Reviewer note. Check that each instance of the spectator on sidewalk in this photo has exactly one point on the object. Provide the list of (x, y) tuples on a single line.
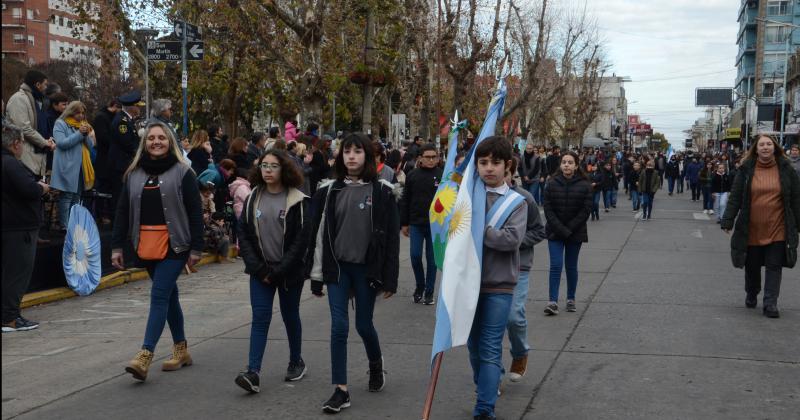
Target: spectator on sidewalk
[(124, 142), (72, 166), (274, 233), (22, 200), (56, 104), (517, 321), (420, 188), (567, 204), (532, 171), (255, 148), (355, 253), (219, 144), (237, 152), (102, 132), (163, 220), (161, 110), (290, 132), (764, 213), (26, 110), (200, 152), (794, 157)]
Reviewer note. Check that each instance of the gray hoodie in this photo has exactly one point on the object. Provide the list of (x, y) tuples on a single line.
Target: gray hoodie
[(533, 234), (795, 164)]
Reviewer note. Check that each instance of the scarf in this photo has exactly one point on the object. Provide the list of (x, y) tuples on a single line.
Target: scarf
[(157, 166), (86, 155)]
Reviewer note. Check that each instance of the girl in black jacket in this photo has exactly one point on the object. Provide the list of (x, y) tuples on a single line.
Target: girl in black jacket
[(597, 178), (356, 234), (273, 239), (567, 204), (720, 189)]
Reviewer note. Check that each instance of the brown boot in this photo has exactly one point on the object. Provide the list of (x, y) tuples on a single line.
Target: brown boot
[(180, 357), (518, 368), (140, 364)]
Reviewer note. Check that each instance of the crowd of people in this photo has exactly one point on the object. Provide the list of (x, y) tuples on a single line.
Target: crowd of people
[(303, 205)]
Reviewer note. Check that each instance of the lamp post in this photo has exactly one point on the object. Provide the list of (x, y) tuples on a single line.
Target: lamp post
[(785, 67), (146, 33)]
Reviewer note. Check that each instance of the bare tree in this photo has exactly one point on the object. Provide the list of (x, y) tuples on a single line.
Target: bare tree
[(464, 45)]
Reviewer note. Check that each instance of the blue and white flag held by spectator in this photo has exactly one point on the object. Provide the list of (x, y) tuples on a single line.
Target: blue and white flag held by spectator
[(461, 273), (670, 152)]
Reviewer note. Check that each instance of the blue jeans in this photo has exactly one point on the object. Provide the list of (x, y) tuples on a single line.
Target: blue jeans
[(351, 277), (613, 197), (720, 204), (607, 199), (65, 202), (485, 346), (535, 188), (596, 203), (635, 199), (261, 297), (418, 234), (708, 201), (647, 205), (671, 184), (517, 323), (562, 252), (680, 180), (164, 304)]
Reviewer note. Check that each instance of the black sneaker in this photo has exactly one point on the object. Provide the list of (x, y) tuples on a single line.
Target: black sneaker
[(377, 376), (751, 301), (339, 400), (484, 417), (551, 309), (428, 299), (571, 306), (20, 324), (771, 311), (248, 381), (295, 371), (417, 296)]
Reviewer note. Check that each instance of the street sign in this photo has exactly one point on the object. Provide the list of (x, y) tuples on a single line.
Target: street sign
[(164, 50), (171, 51), (192, 32)]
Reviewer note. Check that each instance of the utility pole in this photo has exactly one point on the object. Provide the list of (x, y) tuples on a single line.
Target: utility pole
[(366, 88)]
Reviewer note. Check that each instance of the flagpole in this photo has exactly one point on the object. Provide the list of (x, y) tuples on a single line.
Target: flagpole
[(437, 364)]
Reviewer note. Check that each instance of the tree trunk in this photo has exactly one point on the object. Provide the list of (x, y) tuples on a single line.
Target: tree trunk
[(367, 89)]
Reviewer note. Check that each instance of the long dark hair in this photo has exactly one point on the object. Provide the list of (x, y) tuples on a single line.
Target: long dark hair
[(370, 170), (578, 169), (291, 177)]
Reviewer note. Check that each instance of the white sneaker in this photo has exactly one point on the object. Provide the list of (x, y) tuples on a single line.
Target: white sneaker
[(705, 211), (711, 212)]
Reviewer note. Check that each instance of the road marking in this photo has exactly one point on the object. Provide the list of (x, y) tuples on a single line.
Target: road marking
[(701, 216), (107, 312), (697, 234), (88, 319)]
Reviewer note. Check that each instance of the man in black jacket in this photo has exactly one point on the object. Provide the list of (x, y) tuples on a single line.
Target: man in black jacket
[(421, 186), (102, 130), (553, 161), (22, 199)]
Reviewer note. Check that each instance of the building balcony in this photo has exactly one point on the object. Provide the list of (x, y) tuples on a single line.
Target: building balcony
[(13, 21)]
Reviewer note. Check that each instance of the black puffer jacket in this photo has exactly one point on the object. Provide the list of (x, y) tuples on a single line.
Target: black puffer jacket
[(297, 230), (567, 204), (383, 254)]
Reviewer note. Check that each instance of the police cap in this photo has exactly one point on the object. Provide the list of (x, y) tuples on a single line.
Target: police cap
[(132, 98)]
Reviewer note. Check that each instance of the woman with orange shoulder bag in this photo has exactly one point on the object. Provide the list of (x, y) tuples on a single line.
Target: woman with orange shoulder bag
[(160, 213)]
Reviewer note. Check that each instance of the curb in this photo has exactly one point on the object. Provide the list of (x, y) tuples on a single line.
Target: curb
[(112, 280)]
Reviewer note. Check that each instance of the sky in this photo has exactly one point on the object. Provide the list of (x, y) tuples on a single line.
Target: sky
[(668, 48)]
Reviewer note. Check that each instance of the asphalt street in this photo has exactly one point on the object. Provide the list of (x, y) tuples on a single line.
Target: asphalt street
[(661, 332)]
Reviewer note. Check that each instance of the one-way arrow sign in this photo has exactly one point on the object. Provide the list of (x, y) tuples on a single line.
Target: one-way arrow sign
[(195, 51), (192, 31)]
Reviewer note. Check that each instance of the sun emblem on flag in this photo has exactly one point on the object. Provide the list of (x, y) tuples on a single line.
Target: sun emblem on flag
[(462, 217), (442, 204)]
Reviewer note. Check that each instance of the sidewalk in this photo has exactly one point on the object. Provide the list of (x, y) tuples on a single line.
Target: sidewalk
[(661, 332)]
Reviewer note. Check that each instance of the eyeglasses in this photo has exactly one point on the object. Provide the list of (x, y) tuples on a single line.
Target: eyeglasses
[(269, 166)]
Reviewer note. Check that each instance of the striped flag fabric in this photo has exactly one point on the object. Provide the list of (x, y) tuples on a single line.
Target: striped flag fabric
[(461, 269)]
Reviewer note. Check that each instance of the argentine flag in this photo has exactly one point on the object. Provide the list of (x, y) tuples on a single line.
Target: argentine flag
[(461, 272)]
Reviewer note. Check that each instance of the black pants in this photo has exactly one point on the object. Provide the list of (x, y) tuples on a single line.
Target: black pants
[(770, 256), (695, 190), (19, 253)]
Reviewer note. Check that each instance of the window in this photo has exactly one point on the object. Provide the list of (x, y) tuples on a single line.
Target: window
[(69, 23), (19, 39), (769, 90), (53, 19), (777, 7), (30, 14), (61, 21), (31, 40), (16, 12), (776, 34)]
